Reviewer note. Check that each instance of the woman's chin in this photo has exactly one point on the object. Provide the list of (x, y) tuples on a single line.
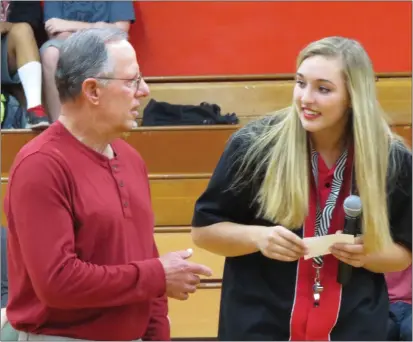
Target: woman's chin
[(311, 126)]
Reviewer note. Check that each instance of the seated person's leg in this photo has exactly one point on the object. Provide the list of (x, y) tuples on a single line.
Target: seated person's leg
[(406, 324), (23, 63), (49, 55)]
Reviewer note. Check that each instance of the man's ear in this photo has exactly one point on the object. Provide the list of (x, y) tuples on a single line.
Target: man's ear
[(91, 90)]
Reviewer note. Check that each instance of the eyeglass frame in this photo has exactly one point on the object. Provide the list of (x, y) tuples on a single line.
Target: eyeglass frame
[(138, 80)]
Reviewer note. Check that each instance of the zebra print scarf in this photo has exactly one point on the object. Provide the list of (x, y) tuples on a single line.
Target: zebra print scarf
[(323, 217)]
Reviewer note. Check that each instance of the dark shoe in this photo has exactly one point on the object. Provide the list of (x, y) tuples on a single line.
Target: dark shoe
[(37, 118)]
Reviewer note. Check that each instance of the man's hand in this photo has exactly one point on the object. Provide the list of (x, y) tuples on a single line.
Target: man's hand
[(352, 254), (5, 27), (280, 243), (182, 276)]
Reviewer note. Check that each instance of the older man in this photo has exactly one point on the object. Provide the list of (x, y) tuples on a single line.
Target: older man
[(83, 263)]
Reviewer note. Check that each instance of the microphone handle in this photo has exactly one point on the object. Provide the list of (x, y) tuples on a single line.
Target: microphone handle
[(345, 270)]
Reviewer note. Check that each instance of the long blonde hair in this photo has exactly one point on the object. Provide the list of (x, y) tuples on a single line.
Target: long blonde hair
[(278, 152)]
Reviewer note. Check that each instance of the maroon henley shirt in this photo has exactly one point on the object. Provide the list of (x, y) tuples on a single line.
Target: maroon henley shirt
[(81, 252)]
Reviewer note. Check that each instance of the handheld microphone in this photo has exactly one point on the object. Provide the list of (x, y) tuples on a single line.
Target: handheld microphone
[(352, 208)]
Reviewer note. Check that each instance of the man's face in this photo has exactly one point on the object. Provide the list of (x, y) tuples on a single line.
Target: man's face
[(119, 99)]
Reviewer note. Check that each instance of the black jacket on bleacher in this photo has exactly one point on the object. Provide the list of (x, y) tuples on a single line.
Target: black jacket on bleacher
[(168, 114)]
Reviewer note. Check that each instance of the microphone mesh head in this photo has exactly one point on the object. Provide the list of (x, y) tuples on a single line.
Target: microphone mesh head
[(352, 206)]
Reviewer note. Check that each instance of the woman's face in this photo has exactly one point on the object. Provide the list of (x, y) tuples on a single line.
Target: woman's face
[(320, 94)]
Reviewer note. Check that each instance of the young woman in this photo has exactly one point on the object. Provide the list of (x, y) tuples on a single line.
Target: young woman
[(285, 178)]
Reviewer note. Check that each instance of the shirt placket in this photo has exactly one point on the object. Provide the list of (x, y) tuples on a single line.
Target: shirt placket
[(118, 175)]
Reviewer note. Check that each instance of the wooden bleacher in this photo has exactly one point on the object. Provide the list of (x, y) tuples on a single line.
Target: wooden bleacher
[(180, 161), (250, 99)]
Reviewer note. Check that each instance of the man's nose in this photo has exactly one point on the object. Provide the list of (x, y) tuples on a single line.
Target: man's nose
[(143, 90)]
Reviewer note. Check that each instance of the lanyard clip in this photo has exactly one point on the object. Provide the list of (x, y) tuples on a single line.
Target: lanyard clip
[(317, 287)]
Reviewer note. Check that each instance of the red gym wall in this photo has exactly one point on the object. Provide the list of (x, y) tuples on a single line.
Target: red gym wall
[(217, 38)]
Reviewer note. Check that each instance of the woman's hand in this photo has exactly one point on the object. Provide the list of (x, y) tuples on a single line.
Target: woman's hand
[(349, 253), (280, 243)]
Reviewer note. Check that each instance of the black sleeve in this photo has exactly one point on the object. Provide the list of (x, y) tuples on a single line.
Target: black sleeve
[(400, 215), (26, 12), (220, 202)]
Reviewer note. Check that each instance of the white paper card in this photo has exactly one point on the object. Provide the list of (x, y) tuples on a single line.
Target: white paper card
[(320, 245)]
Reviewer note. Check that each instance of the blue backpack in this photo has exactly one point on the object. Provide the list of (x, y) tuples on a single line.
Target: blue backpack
[(14, 116)]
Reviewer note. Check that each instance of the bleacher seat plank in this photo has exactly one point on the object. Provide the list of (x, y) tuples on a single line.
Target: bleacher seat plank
[(171, 242), (3, 194), (257, 98), (405, 131), (166, 150), (395, 96), (196, 317), (173, 200)]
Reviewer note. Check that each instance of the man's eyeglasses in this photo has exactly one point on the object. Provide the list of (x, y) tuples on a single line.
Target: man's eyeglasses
[(133, 83)]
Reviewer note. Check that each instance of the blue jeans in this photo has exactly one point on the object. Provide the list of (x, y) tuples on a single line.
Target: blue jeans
[(400, 322)]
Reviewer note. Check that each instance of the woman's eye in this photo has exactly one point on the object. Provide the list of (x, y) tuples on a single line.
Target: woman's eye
[(300, 83)]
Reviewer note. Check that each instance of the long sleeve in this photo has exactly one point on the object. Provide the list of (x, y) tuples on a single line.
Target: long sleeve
[(41, 217), (158, 329)]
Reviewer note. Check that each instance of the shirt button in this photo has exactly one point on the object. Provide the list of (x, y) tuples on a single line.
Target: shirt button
[(121, 184), (114, 167), (125, 204), (327, 185)]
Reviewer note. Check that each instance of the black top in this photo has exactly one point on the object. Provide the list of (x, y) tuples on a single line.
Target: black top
[(30, 12), (258, 293)]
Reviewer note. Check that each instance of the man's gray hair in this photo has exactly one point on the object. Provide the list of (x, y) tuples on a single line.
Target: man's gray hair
[(84, 55)]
